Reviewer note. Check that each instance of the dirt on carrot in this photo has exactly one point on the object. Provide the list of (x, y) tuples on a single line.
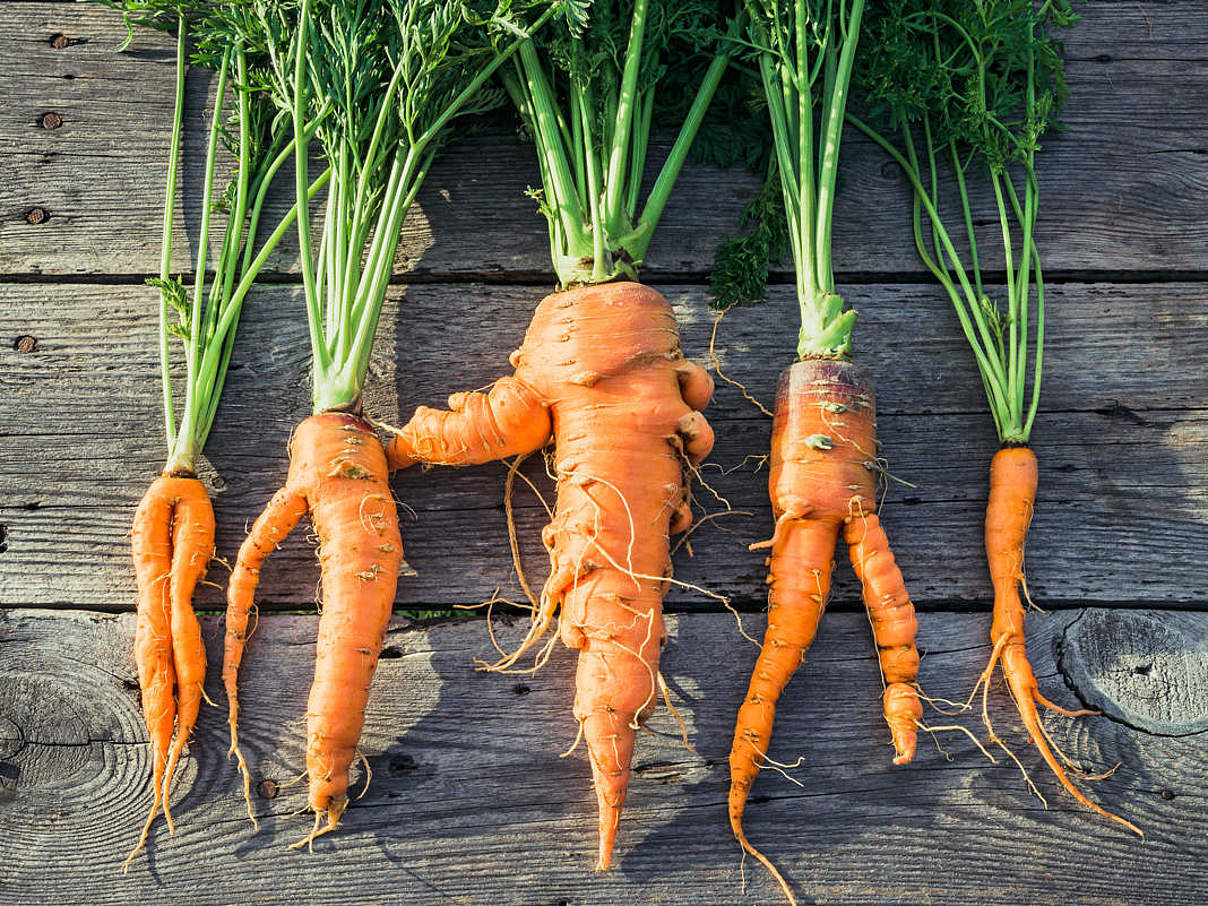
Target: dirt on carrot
[(602, 373), (338, 474)]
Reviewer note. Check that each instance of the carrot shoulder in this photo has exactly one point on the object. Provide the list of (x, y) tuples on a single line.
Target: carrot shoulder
[(602, 371), (823, 483), (338, 473)]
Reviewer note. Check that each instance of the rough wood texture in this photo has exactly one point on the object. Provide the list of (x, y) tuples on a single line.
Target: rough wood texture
[(1123, 441), (469, 802), (1148, 670), (1122, 187)]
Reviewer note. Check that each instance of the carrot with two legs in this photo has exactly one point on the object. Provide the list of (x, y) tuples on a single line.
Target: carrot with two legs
[(173, 536), (972, 87), (824, 456)]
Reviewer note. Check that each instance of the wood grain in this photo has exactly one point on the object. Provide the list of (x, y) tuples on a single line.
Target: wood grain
[(470, 803), (1123, 440), (1121, 187)]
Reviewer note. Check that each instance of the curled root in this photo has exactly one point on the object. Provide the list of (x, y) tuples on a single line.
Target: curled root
[(715, 362)]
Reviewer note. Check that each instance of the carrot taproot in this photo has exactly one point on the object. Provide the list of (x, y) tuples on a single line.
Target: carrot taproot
[(822, 484), (602, 374), (1014, 476), (338, 474), (172, 543)]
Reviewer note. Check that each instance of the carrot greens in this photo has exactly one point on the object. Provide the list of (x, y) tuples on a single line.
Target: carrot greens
[(590, 91), (384, 81), (969, 89)]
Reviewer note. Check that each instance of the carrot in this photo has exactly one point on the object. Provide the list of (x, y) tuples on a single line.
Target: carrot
[(172, 544), (338, 474), (377, 117), (824, 452), (823, 483), (601, 373), (974, 87), (601, 369)]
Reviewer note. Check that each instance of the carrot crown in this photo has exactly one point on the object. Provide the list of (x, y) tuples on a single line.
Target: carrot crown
[(969, 88), (588, 98), (377, 84), (204, 318)]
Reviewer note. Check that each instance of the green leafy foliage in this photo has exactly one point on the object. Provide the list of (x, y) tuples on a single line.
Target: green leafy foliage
[(986, 75), (801, 54), (971, 88), (175, 296), (377, 84), (740, 266)]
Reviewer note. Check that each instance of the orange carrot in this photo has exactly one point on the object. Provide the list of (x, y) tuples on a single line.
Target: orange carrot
[(172, 544), (822, 482), (1013, 480), (601, 369), (338, 474)]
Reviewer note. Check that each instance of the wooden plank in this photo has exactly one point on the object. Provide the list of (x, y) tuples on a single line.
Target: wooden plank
[(1123, 441), (470, 803), (1121, 187)]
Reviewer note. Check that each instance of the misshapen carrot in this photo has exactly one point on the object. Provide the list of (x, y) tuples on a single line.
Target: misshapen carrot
[(172, 544), (338, 474), (823, 483), (1013, 481), (602, 371)]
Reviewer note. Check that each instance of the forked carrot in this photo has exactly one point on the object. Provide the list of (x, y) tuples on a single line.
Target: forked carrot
[(378, 115), (338, 474), (823, 483), (173, 537), (1014, 476), (172, 543)]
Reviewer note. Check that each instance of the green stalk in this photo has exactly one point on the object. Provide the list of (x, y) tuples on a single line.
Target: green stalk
[(615, 182), (165, 257), (207, 202), (834, 132), (318, 348), (660, 192)]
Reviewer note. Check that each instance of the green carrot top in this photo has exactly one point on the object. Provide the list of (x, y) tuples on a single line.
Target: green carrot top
[(589, 90), (804, 52), (378, 83), (205, 317), (969, 89)]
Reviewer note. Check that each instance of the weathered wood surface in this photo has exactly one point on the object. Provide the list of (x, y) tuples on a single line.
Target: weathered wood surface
[(1123, 441), (1122, 187), (470, 803)]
